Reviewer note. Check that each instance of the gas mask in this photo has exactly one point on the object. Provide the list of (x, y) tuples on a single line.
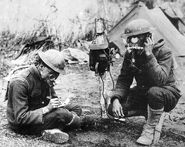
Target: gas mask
[(136, 43), (50, 80)]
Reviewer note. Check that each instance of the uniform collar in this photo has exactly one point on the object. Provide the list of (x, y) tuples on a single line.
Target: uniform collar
[(159, 43)]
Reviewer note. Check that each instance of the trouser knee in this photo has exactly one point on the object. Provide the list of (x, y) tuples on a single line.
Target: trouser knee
[(74, 108), (155, 98), (57, 118), (77, 110)]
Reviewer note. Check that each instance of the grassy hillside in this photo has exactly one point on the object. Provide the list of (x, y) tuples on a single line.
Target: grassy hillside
[(65, 20), (68, 20)]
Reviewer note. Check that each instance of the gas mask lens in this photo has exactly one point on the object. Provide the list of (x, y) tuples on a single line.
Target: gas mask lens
[(52, 77), (138, 40), (51, 80), (134, 40)]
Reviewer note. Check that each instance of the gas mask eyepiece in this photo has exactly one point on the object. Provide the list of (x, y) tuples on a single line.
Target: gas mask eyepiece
[(138, 41)]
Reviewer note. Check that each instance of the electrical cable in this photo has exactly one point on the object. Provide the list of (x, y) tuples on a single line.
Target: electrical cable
[(109, 71), (113, 86), (103, 87)]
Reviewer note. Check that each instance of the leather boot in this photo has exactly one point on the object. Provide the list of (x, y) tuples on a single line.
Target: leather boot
[(149, 129), (88, 122), (55, 135)]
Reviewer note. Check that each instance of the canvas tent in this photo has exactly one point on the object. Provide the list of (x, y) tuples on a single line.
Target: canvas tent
[(174, 14), (163, 28)]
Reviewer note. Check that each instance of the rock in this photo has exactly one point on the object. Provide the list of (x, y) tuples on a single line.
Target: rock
[(73, 55)]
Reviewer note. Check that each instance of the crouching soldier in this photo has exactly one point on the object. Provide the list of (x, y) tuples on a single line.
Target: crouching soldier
[(33, 106), (152, 66)]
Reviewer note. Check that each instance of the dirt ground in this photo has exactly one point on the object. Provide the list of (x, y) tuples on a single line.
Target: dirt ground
[(82, 86)]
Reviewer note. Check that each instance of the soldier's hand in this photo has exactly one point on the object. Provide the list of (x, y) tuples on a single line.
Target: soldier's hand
[(149, 46), (53, 103), (117, 109)]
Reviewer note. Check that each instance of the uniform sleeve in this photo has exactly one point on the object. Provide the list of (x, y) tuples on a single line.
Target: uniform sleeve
[(19, 95), (158, 70), (124, 81)]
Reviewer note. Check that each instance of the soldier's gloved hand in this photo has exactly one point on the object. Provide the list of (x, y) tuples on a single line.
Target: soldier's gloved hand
[(149, 46), (117, 109)]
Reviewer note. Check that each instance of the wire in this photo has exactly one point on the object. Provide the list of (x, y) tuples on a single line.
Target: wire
[(113, 86), (103, 84), (103, 88)]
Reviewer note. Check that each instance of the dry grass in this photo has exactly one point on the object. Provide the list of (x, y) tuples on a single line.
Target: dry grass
[(66, 19)]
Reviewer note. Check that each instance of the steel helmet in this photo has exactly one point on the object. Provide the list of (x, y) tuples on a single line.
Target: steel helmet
[(136, 27), (53, 59)]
